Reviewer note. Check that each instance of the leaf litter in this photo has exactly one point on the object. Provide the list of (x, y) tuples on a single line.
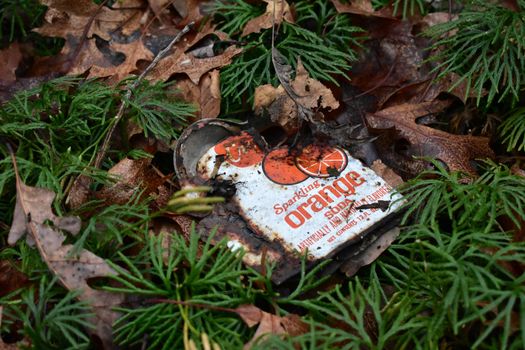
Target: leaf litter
[(32, 218), (103, 41)]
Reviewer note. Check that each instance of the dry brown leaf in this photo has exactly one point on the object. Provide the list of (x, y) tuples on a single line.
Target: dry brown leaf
[(456, 151), (265, 21), (10, 58), (309, 92), (361, 7), (66, 19), (182, 62), (79, 23), (190, 10), (133, 176), (73, 269), (371, 253), (11, 278), (269, 323), (206, 96), (386, 173), (134, 52), (37, 201), (159, 7)]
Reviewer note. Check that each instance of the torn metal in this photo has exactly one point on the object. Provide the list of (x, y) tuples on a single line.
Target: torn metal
[(318, 201)]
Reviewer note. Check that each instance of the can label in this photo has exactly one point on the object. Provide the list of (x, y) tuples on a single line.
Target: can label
[(307, 201)]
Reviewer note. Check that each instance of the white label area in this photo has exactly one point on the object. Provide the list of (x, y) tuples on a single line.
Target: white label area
[(306, 202)]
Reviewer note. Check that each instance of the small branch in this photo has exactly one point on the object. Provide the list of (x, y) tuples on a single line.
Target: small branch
[(129, 91)]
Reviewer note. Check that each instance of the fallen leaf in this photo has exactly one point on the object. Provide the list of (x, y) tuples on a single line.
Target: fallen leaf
[(10, 58), (134, 52), (371, 253), (361, 7), (456, 151), (190, 10), (35, 202), (386, 173), (265, 21), (429, 90), (73, 269), (83, 23), (132, 176), (159, 7), (206, 95), (269, 323), (181, 61), (308, 92), (11, 278)]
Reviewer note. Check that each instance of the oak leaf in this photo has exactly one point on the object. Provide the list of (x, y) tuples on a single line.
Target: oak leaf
[(308, 92), (83, 23), (456, 151), (182, 61), (134, 52), (266, 20), (32, 214)]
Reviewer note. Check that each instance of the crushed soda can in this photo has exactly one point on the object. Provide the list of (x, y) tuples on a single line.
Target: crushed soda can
[(318, 201)]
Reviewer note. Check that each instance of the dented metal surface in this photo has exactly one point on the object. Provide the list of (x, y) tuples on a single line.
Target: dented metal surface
[(287, 202)]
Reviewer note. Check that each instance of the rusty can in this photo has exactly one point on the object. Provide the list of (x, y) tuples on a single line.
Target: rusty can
[(316, 201)]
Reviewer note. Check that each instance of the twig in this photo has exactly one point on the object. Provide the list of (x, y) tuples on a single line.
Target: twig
[(129, 91)]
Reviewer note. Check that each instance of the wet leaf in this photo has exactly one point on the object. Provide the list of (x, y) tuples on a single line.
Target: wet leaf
[(456, 151)]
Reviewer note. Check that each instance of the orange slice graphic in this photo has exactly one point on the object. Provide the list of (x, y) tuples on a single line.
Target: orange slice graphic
[(240, 151), (321, 161), (280, 167)]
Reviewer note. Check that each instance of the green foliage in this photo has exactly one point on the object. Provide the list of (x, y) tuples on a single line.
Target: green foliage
[(17, 17), (56, 128), (50, 318), (485, 45), (59, 126), (404, 7), (321, 37), (461, 280), (155, 108), (512, 130), (107, 227), (479, 202), (188, 272)]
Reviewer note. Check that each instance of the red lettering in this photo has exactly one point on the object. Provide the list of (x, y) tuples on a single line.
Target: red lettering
[(294, 224)]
